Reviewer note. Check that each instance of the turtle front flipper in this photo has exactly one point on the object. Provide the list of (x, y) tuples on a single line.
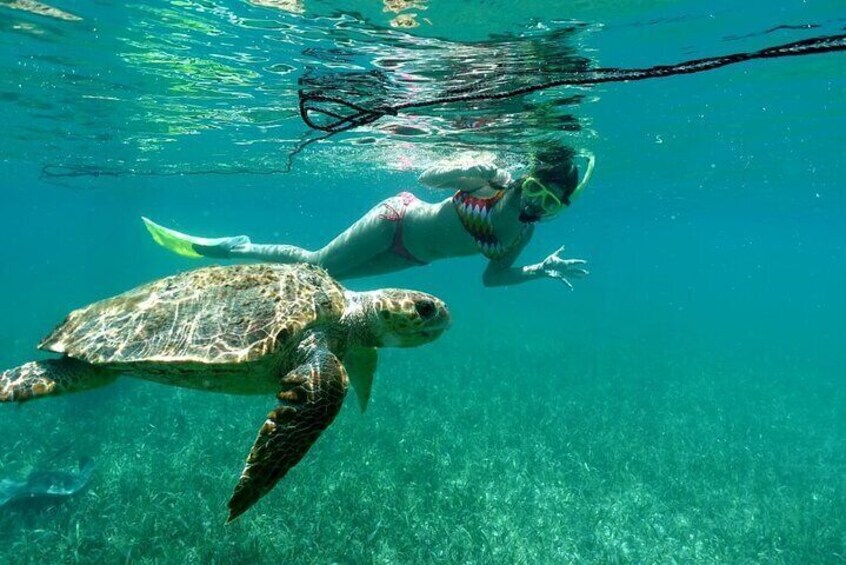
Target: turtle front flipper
[(50, 376), (311, 396)]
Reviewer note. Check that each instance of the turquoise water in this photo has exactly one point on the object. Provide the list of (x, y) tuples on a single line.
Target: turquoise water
[(685, 403)]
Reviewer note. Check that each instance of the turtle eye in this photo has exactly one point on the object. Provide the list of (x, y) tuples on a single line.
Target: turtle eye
[(425, 308)]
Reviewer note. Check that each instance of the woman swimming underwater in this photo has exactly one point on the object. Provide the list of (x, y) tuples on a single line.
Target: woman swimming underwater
[(490, 213)]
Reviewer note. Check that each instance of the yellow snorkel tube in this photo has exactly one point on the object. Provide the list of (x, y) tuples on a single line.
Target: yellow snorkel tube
[(591, 162)]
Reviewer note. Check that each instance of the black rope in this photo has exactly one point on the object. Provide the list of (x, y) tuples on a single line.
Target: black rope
[(58, 172), (316, 104), (52, 172)]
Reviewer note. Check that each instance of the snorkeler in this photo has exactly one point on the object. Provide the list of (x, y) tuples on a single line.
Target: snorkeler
[(490, 213)]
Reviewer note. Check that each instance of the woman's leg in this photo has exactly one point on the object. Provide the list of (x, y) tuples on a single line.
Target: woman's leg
[(358, 249)]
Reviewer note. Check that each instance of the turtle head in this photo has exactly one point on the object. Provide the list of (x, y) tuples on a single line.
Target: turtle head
[(395, 317)]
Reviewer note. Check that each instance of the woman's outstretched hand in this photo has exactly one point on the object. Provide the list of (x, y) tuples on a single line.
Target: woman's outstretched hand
[(557, 267)]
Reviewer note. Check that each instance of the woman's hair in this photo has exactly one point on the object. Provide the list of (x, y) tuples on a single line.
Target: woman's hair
[(555, 164)]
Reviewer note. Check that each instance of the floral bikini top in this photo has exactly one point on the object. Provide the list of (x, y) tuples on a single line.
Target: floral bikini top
[(475, 216)]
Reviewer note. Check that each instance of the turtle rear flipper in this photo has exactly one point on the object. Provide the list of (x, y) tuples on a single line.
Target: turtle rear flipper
[(311, 397), (51, 376)]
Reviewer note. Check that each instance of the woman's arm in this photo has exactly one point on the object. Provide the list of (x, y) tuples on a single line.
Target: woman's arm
[(501, 272), (465, 174)]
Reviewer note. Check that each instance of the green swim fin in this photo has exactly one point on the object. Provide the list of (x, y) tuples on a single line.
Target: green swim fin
[(177, 242)]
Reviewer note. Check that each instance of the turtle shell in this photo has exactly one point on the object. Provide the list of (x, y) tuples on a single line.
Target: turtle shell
[(213, 315)]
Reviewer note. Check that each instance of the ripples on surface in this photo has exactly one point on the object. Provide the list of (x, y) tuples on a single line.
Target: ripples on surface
[(194, 86)]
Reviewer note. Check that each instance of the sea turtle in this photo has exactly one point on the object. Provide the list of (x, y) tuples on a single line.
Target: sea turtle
[(245, 329)]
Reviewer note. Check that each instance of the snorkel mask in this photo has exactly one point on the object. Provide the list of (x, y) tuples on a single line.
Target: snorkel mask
[(546, 203)]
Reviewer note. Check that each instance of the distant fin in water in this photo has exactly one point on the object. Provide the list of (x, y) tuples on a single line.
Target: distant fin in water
[(47, 485)]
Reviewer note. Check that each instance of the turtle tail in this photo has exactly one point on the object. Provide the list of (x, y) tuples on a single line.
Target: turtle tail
[(51, 376)]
